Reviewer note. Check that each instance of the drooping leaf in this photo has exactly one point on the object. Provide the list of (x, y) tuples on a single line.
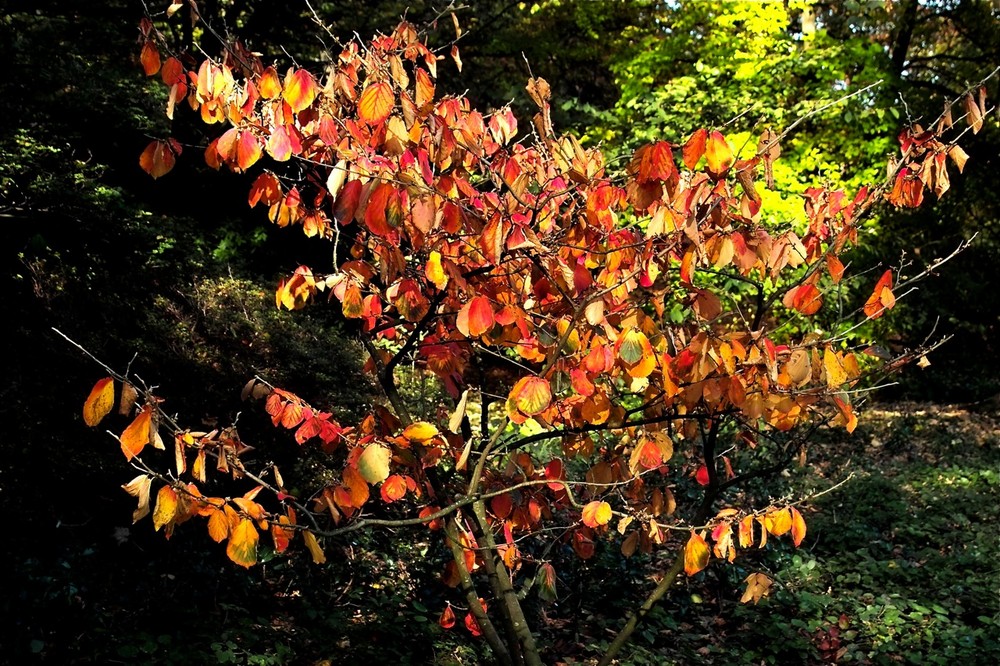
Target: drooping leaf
[(167, 504), (137, 434), (758, 587), (374, 463), (393, 488), (798, 526), (158, 158), (546, 581), (447, 619), (318, 556), (242, 546), (139, 488), (99, 402), (696, 554), (596, 513), (882, 298)]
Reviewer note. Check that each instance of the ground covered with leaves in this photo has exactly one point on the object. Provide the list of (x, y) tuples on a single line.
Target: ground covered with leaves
[(899, 566)]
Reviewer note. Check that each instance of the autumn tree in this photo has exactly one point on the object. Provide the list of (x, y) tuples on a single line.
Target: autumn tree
[(611, 341)]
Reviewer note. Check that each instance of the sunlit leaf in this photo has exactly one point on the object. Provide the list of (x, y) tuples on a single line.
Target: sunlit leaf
[(167, 504), (476, 317), (718, 154), (420, 432), (158, 158), (300, 90), (242, 546), (596, 513), (882, 298), (139, 488), (758, 587), (99, 402), (447, 619), (393, 488), (374, 463), (376, 103), (696, 554), (531, 395), (318, 556), (798, 526), (137, 434)]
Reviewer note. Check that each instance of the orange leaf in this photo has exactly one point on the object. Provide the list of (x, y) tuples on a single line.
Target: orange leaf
[(150, 58), (695, 148), (882, 298), (758, 586), (300, 90), (376, 103), (805, 298), (158, 158), (99, 402), (218, 525), (596, 513), (718, 154), (835, 267), (531, 395), (393, 488), (269, 85), (136, 435), (798, 526), (242, 547), (476, 317), (696, 554), (166, 507), (248, 150)]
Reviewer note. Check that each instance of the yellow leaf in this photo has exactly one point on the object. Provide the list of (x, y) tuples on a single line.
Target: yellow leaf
[(421, 431), (531, 395), (99, 402), (596, 513), (374, 463), (317, 553), (778, 522), (166, 507), (718, 154), (139, 488), (696, 554), (435, 271), (758, 586), (836, 375), (242, 547)]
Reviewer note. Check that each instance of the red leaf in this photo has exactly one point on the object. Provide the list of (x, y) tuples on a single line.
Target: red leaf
[(447, 620), (476, 317), (695, 148), (701, 476), (393, 488), (150, 58)]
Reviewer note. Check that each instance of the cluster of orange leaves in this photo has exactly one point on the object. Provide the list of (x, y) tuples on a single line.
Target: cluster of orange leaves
[(461, 230)]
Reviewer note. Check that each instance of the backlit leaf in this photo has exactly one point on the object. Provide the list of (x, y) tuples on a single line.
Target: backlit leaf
[(596, 513), (696, 554), (167, 503), (531, 395), (546, 580), (99, 402), (157, 159), (393, 488), (318, 556), (447, 619), (882, 298), (137, 434), (300, 90), (718, 154), (374, 463), (476, 317), (139, 488), (150, 58), (242, 546), (421, 431), (376, 103)]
